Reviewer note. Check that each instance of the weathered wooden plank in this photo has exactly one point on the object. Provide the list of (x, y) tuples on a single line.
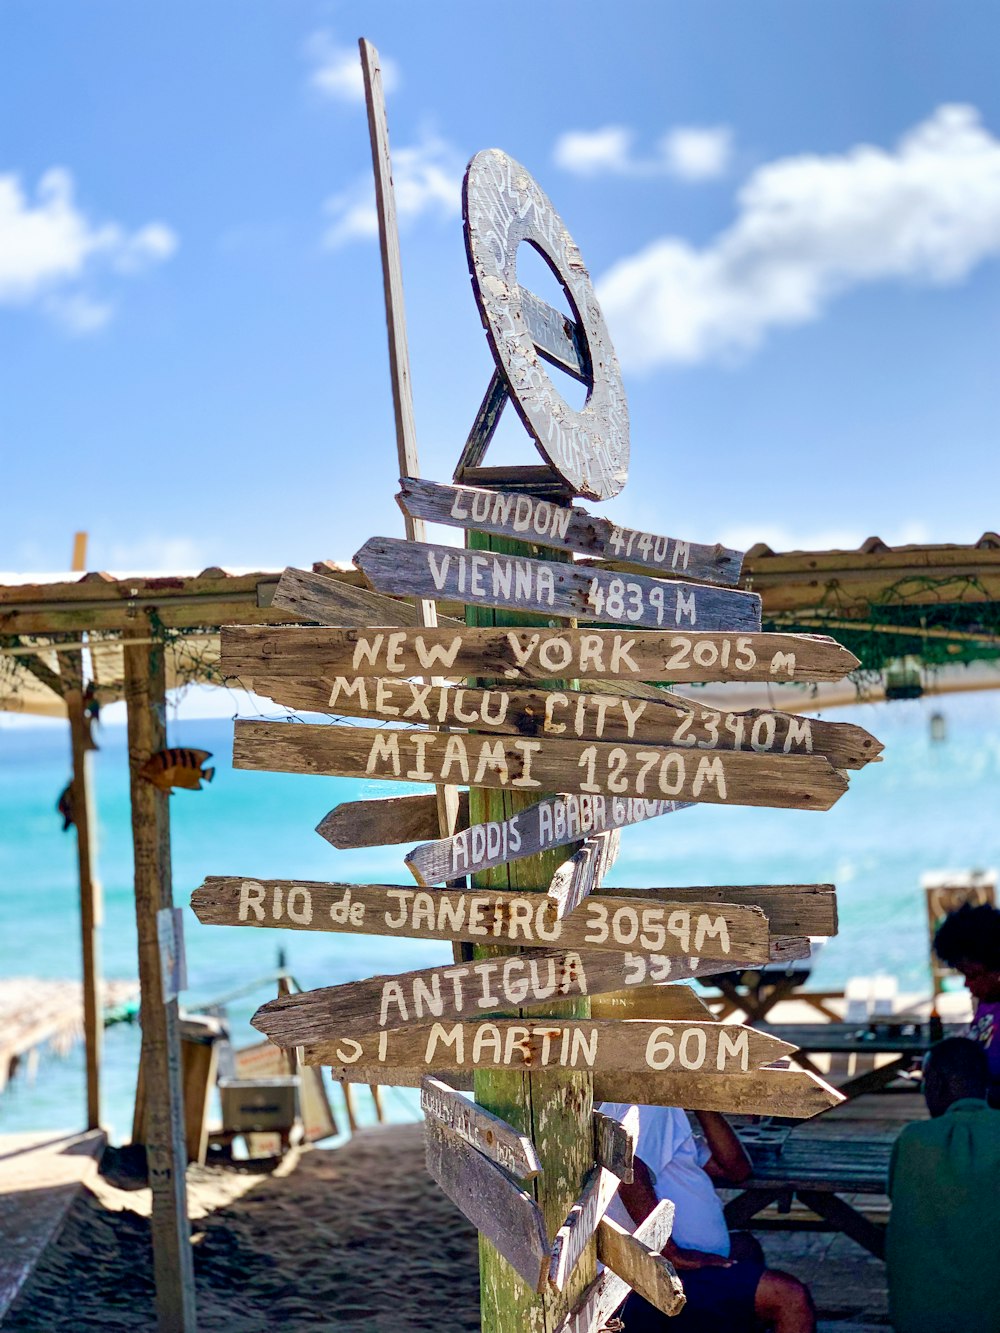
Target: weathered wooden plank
[(614, 1142), (556, 337), (553, 822), (794, 1093), (603, 1297), (461, 990), (583, 873), (729, 936), (659, 1002), (807, 782), (145, 697), (385, 820), (495, 1206), (521, 583), (571, 1239), (639, 1265), (791, 909), (636, 1048), (565, 528), (484, 427), (330, 601), (486, 1132), (612, 714), (533, 654)]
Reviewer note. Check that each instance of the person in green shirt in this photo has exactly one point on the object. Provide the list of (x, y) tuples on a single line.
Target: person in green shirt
[(943, 1243)]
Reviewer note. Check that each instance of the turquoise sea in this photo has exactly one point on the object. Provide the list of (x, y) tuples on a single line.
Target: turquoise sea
[(926, 806)]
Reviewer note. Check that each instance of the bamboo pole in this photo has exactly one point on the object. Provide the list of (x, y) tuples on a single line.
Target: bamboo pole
[(145, 697), (90, 893)]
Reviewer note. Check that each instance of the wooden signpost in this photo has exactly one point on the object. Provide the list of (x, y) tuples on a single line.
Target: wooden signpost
[(533, 654), (565, 528), (663, 720), (520, 583), (501, 705)]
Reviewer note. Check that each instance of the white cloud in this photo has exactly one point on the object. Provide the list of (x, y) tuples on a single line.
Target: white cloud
[(779, 537), (336, 69), (427, 178), (50, 251), (151, 555), (690, 153), (809, 228)]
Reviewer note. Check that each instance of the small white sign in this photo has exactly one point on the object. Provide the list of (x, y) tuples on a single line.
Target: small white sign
[(173, 960)]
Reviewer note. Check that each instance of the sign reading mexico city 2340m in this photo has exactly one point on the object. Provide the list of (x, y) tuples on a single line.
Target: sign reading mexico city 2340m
[(502, 206)]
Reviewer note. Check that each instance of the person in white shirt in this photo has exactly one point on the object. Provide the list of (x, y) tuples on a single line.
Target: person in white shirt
[(728, 1287)]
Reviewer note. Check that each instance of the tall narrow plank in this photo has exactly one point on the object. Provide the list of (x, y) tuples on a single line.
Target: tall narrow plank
[(553, 1110), (145, 697), (395, 318), (90, 890)]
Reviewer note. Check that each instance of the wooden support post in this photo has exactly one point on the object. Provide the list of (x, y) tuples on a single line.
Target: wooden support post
[(90, 890), (145, 697), (554, 1109)]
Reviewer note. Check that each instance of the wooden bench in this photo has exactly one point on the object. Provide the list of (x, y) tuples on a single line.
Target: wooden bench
[(818, 1172)]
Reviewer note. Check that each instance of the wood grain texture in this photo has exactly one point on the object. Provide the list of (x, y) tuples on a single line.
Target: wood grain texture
[(611, 713), (486, 1132), (484, 426), (542, 587), (550, 823), (515, 654), (491, 1201), (458, 991), (603, 1297), (614, 1143), (582, 1221), (637, 1049), (331, 601), (785, 1092), (565, 528), (145, 698), (659, 1002), (791, 909), (639, 1265), (502, 205), (385, 820), (805, 782), (583, 873), (730, 937)]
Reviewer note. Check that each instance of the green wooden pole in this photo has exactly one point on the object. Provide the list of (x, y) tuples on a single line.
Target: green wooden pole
[(553, 1108)]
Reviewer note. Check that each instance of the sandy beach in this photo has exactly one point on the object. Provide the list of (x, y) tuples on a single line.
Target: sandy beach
[(357, 1238)]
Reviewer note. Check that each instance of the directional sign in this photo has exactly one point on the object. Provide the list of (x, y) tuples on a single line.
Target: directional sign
[(791, 909), (635, 1048), (553, 822), (648, 921), (614, 1141), (565, 528), (806, 782), (506, 1215), (386, 820), (531, 654), (638, 1264), (459, 990), (604, 1295), (583, 873), (574, 1235), (786, 1092), (542, 587), (486, 1132), (664, 719), (659, 1002), (335, 601)]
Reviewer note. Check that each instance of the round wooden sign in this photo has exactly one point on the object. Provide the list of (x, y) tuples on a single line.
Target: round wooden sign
[(502, 205)]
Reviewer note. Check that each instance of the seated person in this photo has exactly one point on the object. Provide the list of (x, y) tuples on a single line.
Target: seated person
[(969, 940), (728, 1287), (943, 1242)]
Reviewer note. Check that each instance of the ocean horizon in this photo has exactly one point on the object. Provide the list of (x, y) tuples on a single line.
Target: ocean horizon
[(927, 806)]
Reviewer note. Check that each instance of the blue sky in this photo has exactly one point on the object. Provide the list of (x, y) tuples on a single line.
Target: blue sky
[(791, 212)]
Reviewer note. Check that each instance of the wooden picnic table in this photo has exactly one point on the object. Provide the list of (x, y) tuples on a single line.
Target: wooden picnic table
[(753, 993), (817, 1171), (908, 1042)]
